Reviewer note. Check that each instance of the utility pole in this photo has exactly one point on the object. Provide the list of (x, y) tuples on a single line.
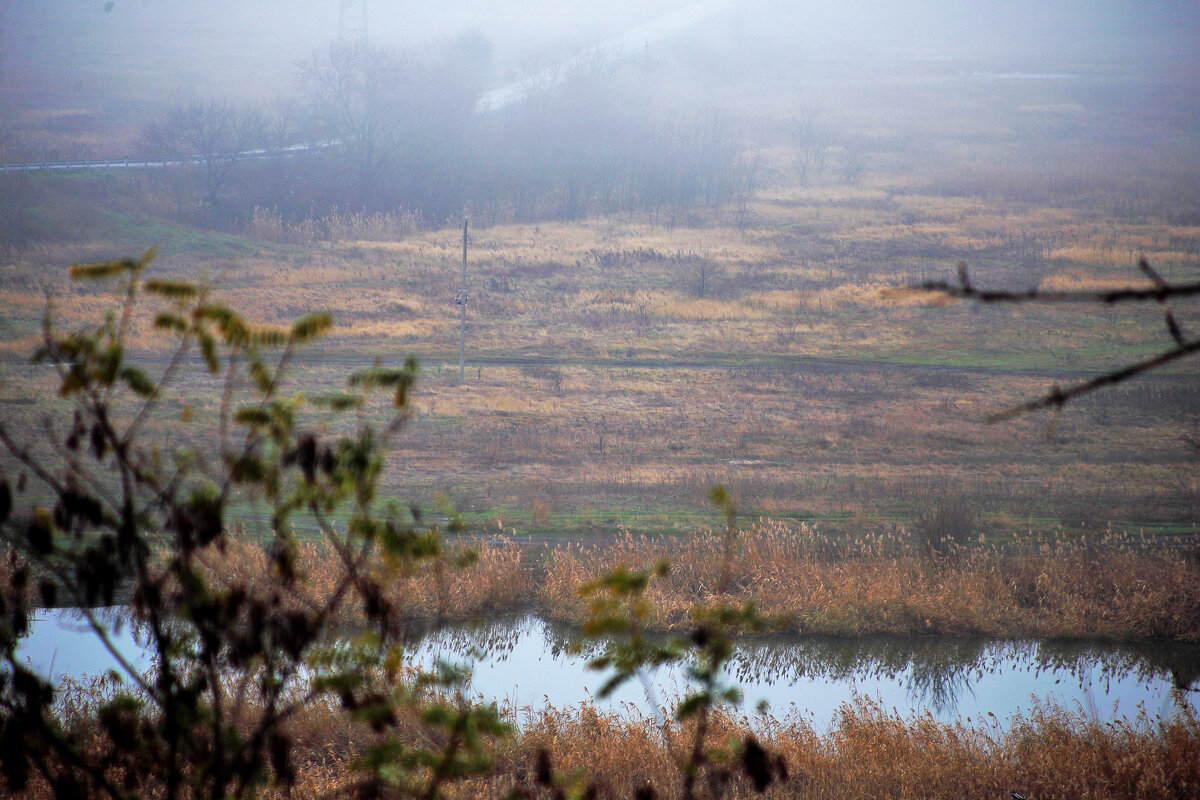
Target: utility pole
[(461, 299)]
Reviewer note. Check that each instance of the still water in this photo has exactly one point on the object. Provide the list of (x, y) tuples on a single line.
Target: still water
[(526, 663)]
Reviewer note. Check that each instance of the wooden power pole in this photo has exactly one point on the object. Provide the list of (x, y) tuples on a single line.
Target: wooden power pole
[(461, 299)]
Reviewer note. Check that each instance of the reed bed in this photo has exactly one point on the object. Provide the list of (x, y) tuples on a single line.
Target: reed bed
[(867, 752), (1112, 587), (872, 753), (495, 580), (1127, 587)]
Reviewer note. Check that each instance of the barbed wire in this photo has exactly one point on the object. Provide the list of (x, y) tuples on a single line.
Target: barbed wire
[(1161, 291)]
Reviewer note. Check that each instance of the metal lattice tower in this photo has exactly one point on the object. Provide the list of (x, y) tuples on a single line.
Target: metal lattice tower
[(352, 21)]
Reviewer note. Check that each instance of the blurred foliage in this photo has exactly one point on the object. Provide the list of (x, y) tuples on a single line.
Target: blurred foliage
[(618, 609), (231, 664)]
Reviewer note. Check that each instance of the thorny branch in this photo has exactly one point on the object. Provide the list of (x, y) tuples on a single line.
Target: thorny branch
[(1057, 397)]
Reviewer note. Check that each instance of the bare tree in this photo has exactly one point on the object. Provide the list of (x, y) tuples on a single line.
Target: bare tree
[(397, 119), (281, 123), (347, 90), (703, 270), (204, 138), (810, 140)]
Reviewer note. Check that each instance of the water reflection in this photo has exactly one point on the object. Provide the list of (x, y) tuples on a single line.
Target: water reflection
[(937, 671), (526, 662), (61, 643)]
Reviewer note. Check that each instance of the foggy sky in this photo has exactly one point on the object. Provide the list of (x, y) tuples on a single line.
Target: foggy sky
[(248, 48)]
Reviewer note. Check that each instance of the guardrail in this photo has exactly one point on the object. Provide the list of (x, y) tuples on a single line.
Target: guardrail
[(143, 163)]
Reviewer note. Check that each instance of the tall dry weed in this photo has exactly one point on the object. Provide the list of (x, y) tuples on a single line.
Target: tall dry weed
[(868, 753), (1120, 587), (493, 580)]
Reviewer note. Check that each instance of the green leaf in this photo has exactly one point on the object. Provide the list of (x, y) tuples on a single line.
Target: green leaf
[(208, 349), (233, 329), (247, 469), (268, 337), (401, 379), (260, 374), (254, 416), (72, 382), (692, 704), (178, 291), (338, 402), (378, 377), (170, 322), (311, 325), (137, 381), (147, 257), (99, 270), (110, 364)]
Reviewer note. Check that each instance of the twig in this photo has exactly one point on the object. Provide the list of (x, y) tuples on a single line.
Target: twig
[(1110, 296), (1058, 397)]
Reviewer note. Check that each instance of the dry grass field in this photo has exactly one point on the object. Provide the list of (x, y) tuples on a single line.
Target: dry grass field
[(1114, 587), (616, 368)]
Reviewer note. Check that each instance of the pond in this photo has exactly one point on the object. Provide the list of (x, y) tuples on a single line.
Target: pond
[(527, 662)]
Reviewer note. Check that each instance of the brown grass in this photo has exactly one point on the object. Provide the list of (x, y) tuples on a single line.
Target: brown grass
[(612, 305), (870, 753), (867, 753), (1114, 587), (497, 580), (877, 584), (1124, 588)]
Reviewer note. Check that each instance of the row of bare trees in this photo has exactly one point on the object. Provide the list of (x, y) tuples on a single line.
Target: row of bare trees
[(400, 131)]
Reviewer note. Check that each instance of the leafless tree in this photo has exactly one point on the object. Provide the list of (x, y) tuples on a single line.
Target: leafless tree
[(810, 139), (204, 138), (348, 89), (400, 120)]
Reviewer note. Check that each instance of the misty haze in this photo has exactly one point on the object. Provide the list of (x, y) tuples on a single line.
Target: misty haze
[(844, 352)]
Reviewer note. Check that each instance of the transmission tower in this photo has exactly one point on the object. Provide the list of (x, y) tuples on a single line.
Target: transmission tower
[(352, 21)]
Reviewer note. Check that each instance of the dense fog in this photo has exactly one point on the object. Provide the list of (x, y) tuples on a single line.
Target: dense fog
[(540, 110)]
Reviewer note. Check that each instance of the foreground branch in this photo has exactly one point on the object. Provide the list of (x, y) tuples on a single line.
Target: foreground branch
[(1057, 398), (1160, 292)]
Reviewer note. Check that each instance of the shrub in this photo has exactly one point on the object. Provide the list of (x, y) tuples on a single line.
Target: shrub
[(236, 659), (945, 522)]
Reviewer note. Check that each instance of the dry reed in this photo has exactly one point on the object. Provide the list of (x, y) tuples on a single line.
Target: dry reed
[(1121, 587), (495, 581), (868, 752)]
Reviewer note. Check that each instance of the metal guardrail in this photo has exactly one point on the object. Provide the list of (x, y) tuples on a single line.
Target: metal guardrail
[(142, 163)]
